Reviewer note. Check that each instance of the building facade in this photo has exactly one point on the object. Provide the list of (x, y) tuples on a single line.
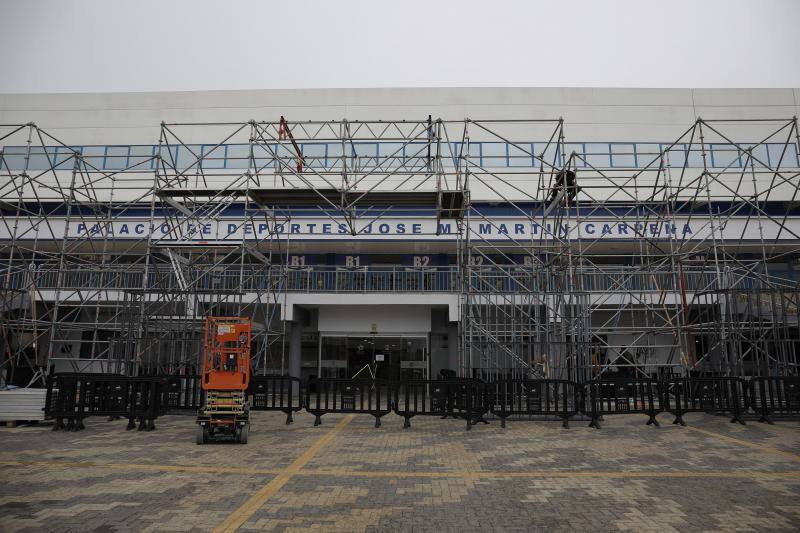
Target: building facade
[(563, 233)]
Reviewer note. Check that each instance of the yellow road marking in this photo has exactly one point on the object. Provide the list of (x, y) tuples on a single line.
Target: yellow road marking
[(249, 508), (545, 474), (337, 472), (749, 444)]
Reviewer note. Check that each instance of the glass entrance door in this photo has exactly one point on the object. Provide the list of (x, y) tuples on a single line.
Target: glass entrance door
[(386, 357)]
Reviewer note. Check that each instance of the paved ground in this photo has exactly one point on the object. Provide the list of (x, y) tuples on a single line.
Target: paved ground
[(347, 476)]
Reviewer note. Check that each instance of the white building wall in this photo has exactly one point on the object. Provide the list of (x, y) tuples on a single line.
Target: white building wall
[(591, 114), (386, 319)]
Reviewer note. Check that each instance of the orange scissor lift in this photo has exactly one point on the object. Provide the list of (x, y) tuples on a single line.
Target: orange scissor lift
[(226, 374)]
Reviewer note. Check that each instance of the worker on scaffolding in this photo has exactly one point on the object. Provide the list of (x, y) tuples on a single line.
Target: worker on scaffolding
[(565, 188)]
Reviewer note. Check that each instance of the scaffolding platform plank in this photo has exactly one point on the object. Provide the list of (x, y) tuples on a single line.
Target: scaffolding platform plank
[(449, 204), (200, 192)]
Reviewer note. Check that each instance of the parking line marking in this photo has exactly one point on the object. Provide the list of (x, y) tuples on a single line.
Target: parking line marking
[(749, 444), (257, 500), (546, 474)]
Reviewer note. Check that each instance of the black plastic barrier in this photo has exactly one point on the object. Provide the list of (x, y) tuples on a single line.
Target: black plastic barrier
[(465, 398), (72, 397), (104, 395), (535, 397), (704, 394), (470, 400), (183, 393), (61, 401), (146, 401), (348, 396), (622, 396), (275, 393), (774, 396)]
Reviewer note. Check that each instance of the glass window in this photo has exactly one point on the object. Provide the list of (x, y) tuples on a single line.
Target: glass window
[(676, 155), (141, 157), (494, 154), (334, 360), (62, 158), (777, 155), (40, 159), (598, 155), (365, 154), (213, 156), (474, 150), (579, 149), (334, 157), (760, 158), (447, 151), (519, 155), (263, 154), (286, 157), (694, 155), (794, 156), (647, 154), (116, 157), (169, 154), (335, 149), (724, 156), (363, 149), (391, 154), (415, 150), (314, 154), (93, 156), (417, 155), (534, 150), (14, 157), (237, 156), (551, 153), (188, 157), (623, 155)]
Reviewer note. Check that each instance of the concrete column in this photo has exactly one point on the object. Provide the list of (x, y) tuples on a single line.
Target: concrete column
[(295, 349), (295, 335), (452, 346)]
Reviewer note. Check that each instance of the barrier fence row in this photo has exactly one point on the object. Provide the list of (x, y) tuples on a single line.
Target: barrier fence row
[(73, 397)]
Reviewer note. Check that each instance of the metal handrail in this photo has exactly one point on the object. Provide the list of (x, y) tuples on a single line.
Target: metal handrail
[(314, 279)]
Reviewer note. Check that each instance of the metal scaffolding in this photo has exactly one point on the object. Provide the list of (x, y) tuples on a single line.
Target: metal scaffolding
[(671, 264), (671, 294)]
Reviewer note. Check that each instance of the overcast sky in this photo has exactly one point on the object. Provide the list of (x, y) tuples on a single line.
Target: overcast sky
[(149, 45)]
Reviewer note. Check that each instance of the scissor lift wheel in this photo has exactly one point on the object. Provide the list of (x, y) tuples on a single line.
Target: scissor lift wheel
[(201, 435), (241, 434)]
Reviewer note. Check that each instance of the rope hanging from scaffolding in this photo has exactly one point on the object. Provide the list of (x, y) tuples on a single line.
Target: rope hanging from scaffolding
[(285, 132)]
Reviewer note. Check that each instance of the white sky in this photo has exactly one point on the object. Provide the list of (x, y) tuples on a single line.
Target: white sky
[(149, 45)]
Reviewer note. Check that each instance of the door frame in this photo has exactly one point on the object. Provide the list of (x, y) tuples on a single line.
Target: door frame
[(420, 334)]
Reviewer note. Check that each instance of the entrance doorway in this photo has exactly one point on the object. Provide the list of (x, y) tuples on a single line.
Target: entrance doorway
[(398, 357)]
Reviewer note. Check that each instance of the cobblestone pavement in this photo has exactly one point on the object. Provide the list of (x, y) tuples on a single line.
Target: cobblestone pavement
[(348, 476)]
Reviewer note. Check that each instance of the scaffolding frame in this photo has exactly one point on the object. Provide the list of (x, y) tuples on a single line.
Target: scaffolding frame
[(553, 315), (560, 301)]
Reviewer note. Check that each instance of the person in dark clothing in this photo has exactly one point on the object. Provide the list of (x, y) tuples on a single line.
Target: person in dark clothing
[(566, 180)]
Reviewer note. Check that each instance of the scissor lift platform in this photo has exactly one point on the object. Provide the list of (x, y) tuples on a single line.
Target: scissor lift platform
[(226, 375)]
